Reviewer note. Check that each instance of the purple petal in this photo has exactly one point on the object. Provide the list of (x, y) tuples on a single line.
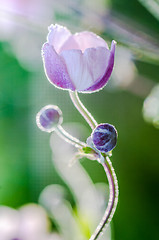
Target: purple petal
[(101, 82), (57, 36), (85, 69), (97, 60), (55, 68), (77, 69)]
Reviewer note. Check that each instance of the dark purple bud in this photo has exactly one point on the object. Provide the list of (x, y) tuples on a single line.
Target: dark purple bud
[(48, 118), (104, 137)]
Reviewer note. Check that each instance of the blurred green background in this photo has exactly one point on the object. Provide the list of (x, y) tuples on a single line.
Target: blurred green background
[(25, 155)]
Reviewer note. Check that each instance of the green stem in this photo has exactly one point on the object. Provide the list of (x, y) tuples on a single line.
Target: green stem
[(82, 109), (113, 198)]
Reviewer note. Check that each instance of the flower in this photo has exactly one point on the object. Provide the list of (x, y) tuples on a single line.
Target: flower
[(30, 222), (79, 62), (104, 137)]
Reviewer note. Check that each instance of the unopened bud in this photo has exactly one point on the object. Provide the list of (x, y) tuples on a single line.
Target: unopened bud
[(48, 118), (104, 137)]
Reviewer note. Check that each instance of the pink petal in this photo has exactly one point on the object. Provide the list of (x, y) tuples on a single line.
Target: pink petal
[(97, 61), (70, 44), (55, 68), (101, 82), (89, 40), (82, 41), (86, 68), (77, 69), (57, 36)]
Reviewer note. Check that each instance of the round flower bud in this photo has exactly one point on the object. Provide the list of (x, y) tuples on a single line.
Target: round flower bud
[(104, 137), (48, 118)]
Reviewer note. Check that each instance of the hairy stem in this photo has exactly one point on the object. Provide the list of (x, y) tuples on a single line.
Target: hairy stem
[(112, 179), (113, 198), (82, 109), (69, 138)]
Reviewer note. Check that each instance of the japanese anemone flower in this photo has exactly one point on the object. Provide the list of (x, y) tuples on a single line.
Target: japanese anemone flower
[(79, 62), (30, 222)]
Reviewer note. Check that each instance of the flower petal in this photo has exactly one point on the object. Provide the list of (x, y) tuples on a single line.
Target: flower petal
[(86, 69), (101, 82), (55, 68), (89, 40), (97, 60), (57, 36), (34, 222), (82, 41), (70, 44), (9, 222), (77, 69)]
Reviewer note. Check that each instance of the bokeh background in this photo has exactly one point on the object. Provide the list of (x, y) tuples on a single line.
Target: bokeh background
[(130, 101)]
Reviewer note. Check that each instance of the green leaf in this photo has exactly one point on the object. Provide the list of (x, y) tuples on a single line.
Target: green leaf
[(152, 6)]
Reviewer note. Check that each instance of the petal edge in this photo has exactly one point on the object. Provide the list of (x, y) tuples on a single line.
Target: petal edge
[(55, 68), (100, 83)]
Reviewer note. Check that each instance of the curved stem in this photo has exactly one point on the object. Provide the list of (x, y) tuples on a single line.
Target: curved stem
[(69, 138), (82, 109), (113, 198)]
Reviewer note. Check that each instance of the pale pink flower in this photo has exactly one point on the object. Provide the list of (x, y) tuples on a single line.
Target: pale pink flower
[(30, 222), (81, 61)]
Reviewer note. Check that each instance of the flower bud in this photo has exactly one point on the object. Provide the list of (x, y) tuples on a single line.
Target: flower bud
[(104, 137), (48, 118)]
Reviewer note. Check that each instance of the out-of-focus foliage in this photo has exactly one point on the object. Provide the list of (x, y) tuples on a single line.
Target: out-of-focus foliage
[(152, 6), (151, 107), (130, 98), (13, 127)]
